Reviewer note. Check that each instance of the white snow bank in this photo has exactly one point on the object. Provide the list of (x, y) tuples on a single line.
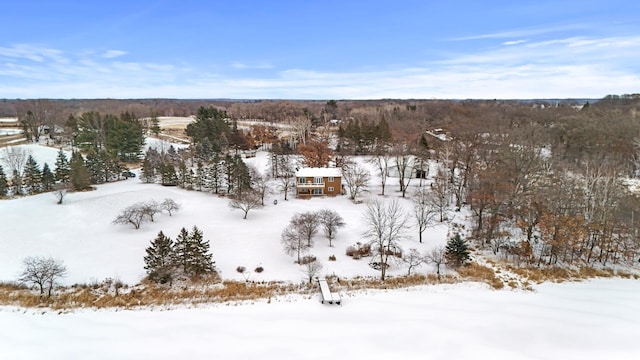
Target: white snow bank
[(598, 319)]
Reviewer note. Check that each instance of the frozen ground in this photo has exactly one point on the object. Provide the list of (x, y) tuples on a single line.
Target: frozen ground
[(81, 234), (598, 319)]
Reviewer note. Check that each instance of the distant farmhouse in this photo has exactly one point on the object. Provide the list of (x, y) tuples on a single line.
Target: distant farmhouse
[(318, 182)]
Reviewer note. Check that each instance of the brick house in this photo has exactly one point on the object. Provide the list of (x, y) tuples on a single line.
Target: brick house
[(318, 182)]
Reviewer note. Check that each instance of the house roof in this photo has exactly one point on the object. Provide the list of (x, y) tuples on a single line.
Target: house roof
[(313, 172)]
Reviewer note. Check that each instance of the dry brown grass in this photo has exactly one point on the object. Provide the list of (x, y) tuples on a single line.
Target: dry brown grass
[(539, 275), (103, 295), (477, 272), (108, 295)]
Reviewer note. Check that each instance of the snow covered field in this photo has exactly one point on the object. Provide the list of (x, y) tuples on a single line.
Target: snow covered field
[(81, 234), (598, 319)]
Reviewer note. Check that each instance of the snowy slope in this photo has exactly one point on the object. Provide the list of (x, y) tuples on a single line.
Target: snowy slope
[(80, 232), (598, 319)]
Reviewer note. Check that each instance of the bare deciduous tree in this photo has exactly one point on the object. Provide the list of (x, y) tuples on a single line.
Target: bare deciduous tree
[(439, 195), (307, 225), (385, 226), (150, 208), (133, 215), (436, 257), (312, 269), (423, 210), (43, 273), (15, 157), (170, 206), (381, 162), (283, 168), (357, 179), (246, 201), (404, 164), (330, 221), (260, 182), (413, 260), (293, 241), (60, 191)]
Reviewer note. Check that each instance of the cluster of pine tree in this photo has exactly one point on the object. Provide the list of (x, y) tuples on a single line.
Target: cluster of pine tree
[(75, 174), (121, 137), (361, 137), (219, 174), (187, 256)]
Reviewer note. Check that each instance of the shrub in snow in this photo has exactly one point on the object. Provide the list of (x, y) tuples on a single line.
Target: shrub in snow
[(259, 269), (241, 269), (332, 258), (307, 259), (358, 250)]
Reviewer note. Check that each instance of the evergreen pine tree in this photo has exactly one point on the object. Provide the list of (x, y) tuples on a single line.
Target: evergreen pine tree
[(183, 250), (79, 174), (200, 177), (456, 252), (16, 183), (62, 168), (32, 176), (159, 261), (148, 172), (168, 176), (155, 124), (201, 259), (183, 175), (48, 179), (4, 184), (384, 132)]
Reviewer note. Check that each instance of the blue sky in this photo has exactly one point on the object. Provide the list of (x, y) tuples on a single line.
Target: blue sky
[(310, 49)]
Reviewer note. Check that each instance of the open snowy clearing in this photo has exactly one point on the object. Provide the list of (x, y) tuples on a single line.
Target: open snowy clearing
[(81, 234), (597, 319)]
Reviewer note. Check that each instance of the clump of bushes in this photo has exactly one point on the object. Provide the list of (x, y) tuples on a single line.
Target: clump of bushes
[(358, 250), (332, 258), (259, 269), (307, 260), (241, 269)]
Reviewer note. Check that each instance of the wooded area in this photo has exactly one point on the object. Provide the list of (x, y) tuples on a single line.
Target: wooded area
[(543, 179)]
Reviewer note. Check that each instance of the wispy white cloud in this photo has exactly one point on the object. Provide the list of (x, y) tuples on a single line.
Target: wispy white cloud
[(32, 53), (514, 42), (251, 65), (563, 67), (110, 54), (521, 33)]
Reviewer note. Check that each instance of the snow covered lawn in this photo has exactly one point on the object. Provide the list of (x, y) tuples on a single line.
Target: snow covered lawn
[(81, 234), (597, 319)]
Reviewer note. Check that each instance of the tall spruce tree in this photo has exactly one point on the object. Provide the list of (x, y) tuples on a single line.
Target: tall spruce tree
[(192, 253), (201, 261), (456, 252), (48, 179), (4, 184), (79, 174), (62, 168), (183, 250), (160, 260), (32, 176), (16, 183)]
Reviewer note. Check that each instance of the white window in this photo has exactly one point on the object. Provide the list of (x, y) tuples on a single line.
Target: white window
[(330, 189), (330, 179), (317, 191), (317, 180), (301, 180)]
